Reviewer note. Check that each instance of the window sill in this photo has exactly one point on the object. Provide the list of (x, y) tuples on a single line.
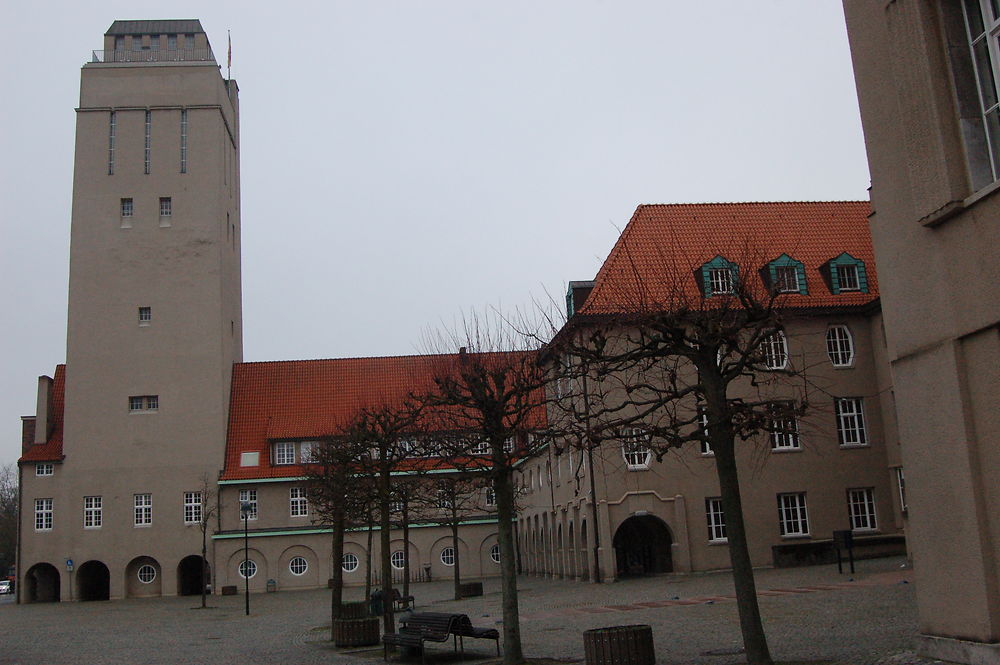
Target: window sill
[(91, 528), (848, 366), (782, 451), (854, 446), (708, 454), (141, 526), (144, 324), (866, 532), (630, 467), (797, 536), (715, 543)]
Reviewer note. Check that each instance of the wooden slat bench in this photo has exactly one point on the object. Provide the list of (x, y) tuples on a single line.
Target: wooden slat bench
[(401, 602), (463, 628), (421, 627)]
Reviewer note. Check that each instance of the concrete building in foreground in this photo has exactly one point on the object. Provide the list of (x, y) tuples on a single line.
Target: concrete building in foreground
[(927, 76)]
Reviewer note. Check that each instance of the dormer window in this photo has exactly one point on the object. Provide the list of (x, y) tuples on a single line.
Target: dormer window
[(848, 274), (293, 452), (719, 277), (786, 275)]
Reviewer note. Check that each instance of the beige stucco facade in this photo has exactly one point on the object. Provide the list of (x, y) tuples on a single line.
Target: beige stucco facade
[(936, 227)]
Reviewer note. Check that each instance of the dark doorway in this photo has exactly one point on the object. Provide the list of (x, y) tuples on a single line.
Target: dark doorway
[(93, 581), (41, 584), (642, 546), (189, 575)]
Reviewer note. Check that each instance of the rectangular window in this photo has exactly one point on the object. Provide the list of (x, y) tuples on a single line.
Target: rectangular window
[(111, 144), (635, 450), (982, 130), (444, 499), (786, 279), (148, 143), (480, 448), (706, 447), (192, 507), (143, 515), (171, 42), (166, 206), (154, 42), (792, 514), (284, 452), (92, 512), (249, 497), (784, 430), (145, 316), (143, 403), (861, 506), (189, 42), (306, 452), (184, 141), (45, 469), (395, 506), (720, 280), (491, 497), (716, 520), (847, 276), (901, 484), (43, 514), (297, 502), (126, 207), (851, 421)]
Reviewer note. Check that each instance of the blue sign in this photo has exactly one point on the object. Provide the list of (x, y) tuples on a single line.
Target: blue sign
[(69, 565)]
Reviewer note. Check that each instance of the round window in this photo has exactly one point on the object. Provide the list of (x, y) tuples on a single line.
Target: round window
[(448, 556), (349, 562), (146, 573), (398, 559), (495, 553), (298, 565), (248, 569)]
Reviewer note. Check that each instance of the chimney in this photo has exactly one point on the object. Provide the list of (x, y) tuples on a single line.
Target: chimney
[(44, 422), (27, 432)]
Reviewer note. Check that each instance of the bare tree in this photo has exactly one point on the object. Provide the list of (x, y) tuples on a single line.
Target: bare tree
[(209, 509), (665, 369), (8, 517), (493, 388), (456, 497)]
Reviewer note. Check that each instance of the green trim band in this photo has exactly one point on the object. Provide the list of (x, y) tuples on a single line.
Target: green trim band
[(311, 532)]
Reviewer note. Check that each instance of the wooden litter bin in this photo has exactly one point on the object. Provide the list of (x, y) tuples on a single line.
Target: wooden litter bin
[(356, 632), (619, 645), (469, 589)]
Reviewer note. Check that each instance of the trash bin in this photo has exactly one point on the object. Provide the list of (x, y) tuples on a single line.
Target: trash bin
[(377, 603), (272, 586), (619, 645)]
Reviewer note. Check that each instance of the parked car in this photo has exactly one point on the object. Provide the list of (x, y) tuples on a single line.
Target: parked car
[(5, 586)]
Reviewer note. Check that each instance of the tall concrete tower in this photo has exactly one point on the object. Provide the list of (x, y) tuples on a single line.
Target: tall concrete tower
[(155, 323)]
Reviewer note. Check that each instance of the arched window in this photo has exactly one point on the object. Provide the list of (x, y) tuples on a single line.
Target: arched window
[(495, 553), (448, 556), (840, 346), (349, 562), (775, 350), (248, 569), (398, 559), (298, 565)]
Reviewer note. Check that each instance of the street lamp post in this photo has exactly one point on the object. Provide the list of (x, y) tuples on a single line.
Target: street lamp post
[(245, 512)]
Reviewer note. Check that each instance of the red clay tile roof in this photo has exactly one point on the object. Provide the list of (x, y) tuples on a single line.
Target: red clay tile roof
[(306, 399), (664, 245), (51, 450)]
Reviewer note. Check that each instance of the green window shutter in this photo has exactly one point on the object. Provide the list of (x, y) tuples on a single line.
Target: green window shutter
[(707, 280), (834, 278), (862, 276), (801, 270)]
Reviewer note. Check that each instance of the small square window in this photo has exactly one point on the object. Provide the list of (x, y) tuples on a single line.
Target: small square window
[(45, 469), (721, 280), (166, 206), (126, 207), (786, 279), (847, 277)]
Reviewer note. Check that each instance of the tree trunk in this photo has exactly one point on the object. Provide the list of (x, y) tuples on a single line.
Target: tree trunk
[(204, 559), (754, 639), (594, 531), (406, 546), (368, 557), (337, 574), (388, 623), (456, 570), (512, 653)]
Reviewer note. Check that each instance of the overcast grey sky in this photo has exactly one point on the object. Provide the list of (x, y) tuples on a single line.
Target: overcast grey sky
[(405, 161)]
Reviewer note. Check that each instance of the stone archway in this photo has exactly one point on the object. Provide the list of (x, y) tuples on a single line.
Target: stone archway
[(642, 546), (189, 575), (41, 584), (93, 581)]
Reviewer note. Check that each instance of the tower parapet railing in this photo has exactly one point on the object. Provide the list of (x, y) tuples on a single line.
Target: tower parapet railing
[(154, 55)]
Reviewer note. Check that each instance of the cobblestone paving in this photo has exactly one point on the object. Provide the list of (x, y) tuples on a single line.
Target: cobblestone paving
[(810, 614)]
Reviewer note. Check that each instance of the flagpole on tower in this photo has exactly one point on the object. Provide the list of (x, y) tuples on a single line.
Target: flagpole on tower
[(229, 56)]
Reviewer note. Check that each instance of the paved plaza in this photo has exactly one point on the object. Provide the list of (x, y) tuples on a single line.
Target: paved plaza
[(810, 614)]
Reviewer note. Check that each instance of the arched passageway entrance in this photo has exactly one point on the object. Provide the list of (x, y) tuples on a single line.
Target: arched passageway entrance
[(642, 546), (189, 575), (41, 584), (93, 581)]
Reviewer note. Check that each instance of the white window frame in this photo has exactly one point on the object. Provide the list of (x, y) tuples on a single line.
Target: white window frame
[(840, 346), (44, 469), (861, 508), (127, 207), (292, 565), (148, 145), (495, 553), (298, 502), (989, 37), (706, 447), (247, 568), (480, 447), (774, 350), (448, 556), (146, 573), (788, 437), (284, 453), (397, 560), (722, 281), (349, 562), (793, 516), (786, 279), (112, 125), (444, 500), (248, 497), (851, 432), (143, 403), (306, 451), (716, 520), (142, 510), (192, 508), (636, 450), (184, 138), (93, 509), (396, 506), (901, 486), (145, 315), (166, 207), (848, 278), (44, 514), (491, 497)]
